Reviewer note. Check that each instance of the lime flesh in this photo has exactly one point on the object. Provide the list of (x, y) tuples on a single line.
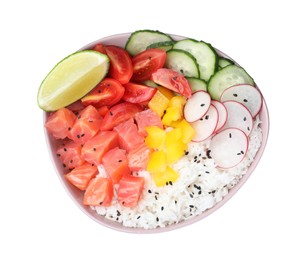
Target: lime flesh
[(72, 78)]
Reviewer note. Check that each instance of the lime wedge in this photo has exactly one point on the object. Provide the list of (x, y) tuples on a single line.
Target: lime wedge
[(72, 78)]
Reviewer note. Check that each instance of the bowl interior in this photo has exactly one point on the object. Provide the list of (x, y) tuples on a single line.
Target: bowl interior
[(77, 195)]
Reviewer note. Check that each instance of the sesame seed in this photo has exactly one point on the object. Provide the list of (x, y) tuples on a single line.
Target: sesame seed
[(195, 157), (198, 161), (65, 149), (235, 95), (82, 135), (100, 203), (245, 100), (162, 208), (191, 206), (111, 113), (186, 153), (242, 152), (166, 183), (176, 202), (69, 128), (119, 160), (230, 135), (138, 217), (64, 165), (207, 117), (149, 191), (207, 172), (58, 155), (157, 219), (118, 213), (71, 161), (245, 118), (78, 136), (202, 105), (170, 182), (156, 198), (94, 149), (200, 192)]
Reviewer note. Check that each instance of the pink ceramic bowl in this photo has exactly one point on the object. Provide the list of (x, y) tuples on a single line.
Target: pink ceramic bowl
[(77, 195)]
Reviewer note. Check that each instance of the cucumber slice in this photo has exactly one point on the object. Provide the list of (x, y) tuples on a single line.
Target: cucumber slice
[(150, 83), (182, 62), (204, 53), (228, 76), (197, 84), (140, 40), (166, 46), (223, 62)]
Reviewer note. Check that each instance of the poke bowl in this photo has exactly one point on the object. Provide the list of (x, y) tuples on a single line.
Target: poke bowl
[(183, 177)]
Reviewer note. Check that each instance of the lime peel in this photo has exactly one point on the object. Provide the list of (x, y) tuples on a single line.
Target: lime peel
[(72, 78)]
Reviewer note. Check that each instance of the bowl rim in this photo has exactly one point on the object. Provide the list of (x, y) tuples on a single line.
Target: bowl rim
[(265, 121)]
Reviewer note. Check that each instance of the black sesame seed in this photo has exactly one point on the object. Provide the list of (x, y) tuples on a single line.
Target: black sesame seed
[(149, 191), (213, 191), (157, 193), (182, 71), (238, 154), (100, 203), (195, 157), (207, 172), (200, 192), (58, 155), (200, 154), (198, 161), (162, 208), (156, 198), (82, 135), (92, 164), (235, 95), (204, 158), (64, 165), (208, 154), (245, 118), (69, 128), (170, 182), (201, 119), (138, 217), (90, 121), (245, 100), (242, 152), (202, 105), (157, 219), (117, 219), (230, 135), (176, 202), (207, 117), (99, 91), (119, 160), (111, 113), (166, 183), (191, 196), (191, 206), (71, 161), (200, 175), (65, 149), (94, 149), (186, 153), (248, 128), (79, 117), (78, 136), (118, 213), (108, 84)]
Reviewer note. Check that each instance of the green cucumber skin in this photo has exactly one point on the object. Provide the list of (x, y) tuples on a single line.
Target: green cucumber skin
[(166, 46), (223, 62), (215, 66), (186, 54), (217, 83), (129, 41), (197, 84)]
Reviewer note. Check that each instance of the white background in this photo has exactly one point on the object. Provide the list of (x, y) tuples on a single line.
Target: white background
[(38, 220)]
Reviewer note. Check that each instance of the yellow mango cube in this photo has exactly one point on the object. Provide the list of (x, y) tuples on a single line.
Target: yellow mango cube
[(172, 114), (177, 101), (157, 162), (175, 151), (169, 175), (166, 92), (173, 136), (158, 103), (155, 137), (187, 131)]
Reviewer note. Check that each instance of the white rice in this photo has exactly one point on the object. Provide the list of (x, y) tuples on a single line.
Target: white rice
[(200, 186)]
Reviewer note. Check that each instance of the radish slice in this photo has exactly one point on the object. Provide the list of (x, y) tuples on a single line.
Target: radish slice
[(229, 147), (245, 94), (197, 106), (222, 114), (205, 126), (238, 117)]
